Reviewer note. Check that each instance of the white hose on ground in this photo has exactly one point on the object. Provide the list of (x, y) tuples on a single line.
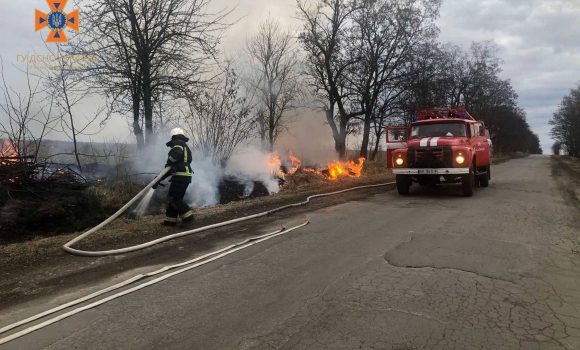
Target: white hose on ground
[(67, 246), (196, 263), (228, 250)]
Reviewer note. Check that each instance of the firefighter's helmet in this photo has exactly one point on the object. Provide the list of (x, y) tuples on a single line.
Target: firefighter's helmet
[(177, 131)]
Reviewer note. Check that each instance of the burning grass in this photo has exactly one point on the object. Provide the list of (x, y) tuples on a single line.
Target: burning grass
[(8, 153), (332, 171), (69, 203)]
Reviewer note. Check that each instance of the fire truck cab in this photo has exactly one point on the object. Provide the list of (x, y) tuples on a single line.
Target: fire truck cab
[(442, 145)]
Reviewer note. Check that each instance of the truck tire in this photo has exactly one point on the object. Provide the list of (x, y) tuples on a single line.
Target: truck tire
[(484, 180), (468, 183), (403, 184)]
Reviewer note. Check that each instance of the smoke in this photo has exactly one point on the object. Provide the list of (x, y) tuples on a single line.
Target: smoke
[(203, 190), (309, 138), (247, 166), (255, 165)]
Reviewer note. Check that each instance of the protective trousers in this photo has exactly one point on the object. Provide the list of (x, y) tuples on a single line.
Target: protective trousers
[(176, 207)]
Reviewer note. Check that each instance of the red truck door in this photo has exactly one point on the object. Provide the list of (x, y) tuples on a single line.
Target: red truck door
[(397, 137), (479, 142), (489, 142)]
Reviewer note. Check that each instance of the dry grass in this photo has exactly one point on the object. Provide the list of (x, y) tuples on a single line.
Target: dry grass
[(499, 158), (125, 231), (115, 193), (573, 162), (301, 180)]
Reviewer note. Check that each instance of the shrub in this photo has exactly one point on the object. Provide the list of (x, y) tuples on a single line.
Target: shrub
[(557, 148)]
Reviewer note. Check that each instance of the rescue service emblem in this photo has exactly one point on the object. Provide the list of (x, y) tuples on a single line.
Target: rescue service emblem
[(56, 20)]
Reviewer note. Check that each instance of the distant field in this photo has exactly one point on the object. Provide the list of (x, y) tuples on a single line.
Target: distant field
[(62, 152)]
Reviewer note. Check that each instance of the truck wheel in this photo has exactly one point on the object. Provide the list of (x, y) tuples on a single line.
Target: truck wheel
[(403, 184), (468, 183), (484, 180)]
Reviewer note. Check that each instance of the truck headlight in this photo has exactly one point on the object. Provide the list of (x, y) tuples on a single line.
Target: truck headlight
[(460, 160), (399, 161)]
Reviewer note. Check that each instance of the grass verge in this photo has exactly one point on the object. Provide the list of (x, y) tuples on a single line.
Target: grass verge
[(126, 231)]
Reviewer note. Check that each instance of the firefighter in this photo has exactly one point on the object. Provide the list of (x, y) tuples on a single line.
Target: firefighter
[(179, 159)]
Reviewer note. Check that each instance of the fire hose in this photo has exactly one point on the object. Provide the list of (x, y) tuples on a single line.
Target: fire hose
[(202, 260), (196, 263), (67, 247)]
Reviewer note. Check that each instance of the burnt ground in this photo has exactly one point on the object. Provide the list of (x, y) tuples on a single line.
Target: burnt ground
[(41, 269)]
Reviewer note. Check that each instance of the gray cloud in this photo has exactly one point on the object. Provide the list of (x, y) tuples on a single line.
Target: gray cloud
[(539, 41)]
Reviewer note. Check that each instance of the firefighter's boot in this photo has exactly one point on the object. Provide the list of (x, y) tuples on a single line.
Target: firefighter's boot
[(188, 218), (169, 222)]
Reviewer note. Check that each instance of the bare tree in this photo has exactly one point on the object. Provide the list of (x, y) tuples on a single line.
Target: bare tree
[(449, 76), (67, 87), (386, 34), (149, 46), (566, 123), (324, 36), (25, 122), (274, 76), (220, 119)]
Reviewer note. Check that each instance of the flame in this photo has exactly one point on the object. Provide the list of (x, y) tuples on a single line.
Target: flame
[(274, 163), (8, 155), (8, 151), (296, 164), (339, 169), (335, 170), (349, 168)]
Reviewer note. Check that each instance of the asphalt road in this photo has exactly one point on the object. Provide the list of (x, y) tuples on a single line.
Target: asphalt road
[(434, 270)]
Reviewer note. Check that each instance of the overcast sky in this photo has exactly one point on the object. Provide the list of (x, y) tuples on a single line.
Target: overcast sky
[(539, 41)]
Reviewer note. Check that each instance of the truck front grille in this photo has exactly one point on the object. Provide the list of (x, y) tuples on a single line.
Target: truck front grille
[(430, 157), (437, 152)]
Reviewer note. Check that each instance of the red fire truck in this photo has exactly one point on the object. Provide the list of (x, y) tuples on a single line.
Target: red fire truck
[(442, 145)]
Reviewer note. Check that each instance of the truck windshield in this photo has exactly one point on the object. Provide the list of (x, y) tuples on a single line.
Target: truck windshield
[(438, 130)]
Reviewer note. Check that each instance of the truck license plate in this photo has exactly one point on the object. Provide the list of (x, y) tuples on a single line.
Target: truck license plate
[(428, 171)]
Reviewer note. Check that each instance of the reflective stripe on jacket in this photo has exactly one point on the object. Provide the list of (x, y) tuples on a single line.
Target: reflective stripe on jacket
[(179, 159)]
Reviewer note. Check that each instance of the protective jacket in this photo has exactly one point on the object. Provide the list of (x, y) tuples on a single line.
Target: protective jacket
[(179, 159)]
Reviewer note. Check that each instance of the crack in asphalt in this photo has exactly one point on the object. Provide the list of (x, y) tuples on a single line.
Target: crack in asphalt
[(469, 306)]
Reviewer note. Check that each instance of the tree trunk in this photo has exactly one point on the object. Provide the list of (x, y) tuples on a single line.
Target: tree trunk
[(376, 150), (271, 127), (262, 124), (338, 136), (74, 135), (72, 124), (137, 130), (148, 104), (366, 133), (340, 144)]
